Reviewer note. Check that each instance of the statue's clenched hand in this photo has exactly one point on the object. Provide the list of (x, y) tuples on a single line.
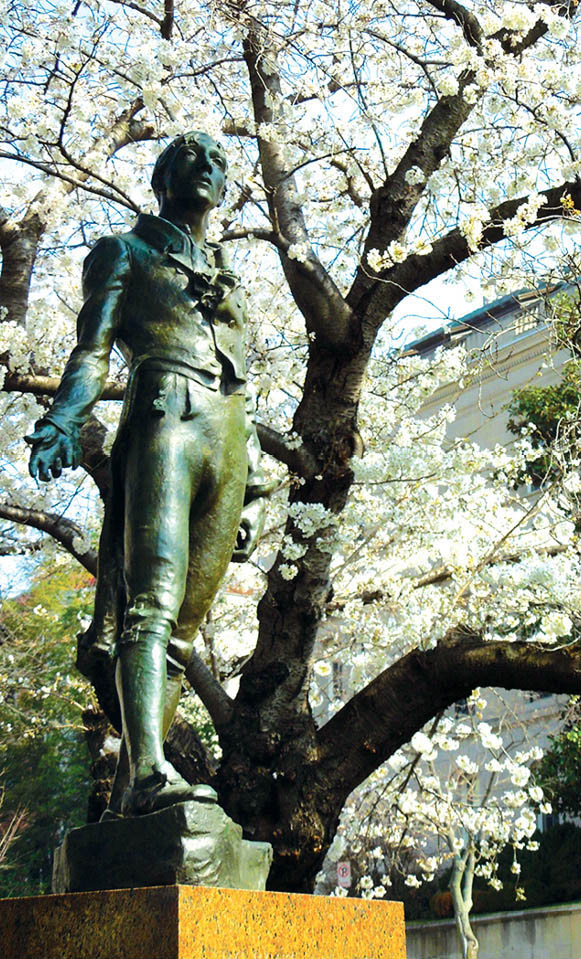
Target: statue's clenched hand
[(251, 525), (52, 451)]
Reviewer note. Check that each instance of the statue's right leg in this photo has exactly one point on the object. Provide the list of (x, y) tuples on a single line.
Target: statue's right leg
[(177, 786), (159, 476), (121, 780)]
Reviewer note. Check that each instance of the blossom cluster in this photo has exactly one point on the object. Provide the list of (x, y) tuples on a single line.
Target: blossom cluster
[(432, 805)]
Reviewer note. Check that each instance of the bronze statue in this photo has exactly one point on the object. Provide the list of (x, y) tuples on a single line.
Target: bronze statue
[(187, 490)]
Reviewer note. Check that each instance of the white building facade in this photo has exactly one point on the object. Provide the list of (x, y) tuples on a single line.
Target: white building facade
[(511, 346)]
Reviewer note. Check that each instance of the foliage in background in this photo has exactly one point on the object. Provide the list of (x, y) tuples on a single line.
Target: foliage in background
[(43, 756), (560, 768), (11, 826), (549, 415)]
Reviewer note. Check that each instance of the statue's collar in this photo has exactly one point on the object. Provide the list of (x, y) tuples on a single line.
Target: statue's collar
[(166, 236), (205, 267), (178, 245)]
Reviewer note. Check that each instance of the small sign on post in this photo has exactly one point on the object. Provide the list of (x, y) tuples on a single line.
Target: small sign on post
[(344, 875)]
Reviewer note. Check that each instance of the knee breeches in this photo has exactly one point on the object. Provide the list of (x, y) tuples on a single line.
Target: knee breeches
[(184, 476)]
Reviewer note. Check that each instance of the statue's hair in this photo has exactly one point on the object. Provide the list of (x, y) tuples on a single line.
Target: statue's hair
[(165, 159)]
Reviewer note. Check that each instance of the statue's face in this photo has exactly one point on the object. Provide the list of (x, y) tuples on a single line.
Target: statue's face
[(197, 172)]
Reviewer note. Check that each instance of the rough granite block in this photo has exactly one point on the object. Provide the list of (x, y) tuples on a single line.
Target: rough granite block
[(186, 922)]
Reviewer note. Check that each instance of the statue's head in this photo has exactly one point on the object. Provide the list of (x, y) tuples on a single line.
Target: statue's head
[(192, 167)]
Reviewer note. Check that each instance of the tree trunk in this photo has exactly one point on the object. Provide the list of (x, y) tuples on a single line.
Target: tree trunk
[(103, 745), (461, 889), (270, 779), (19, 243)]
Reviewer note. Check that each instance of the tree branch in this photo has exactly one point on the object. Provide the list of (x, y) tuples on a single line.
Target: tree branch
[(168, 19), (395, 284), (385, 715), (19, 241), (185, 750), (65, 532), (48, 385), (213, 695), (508, 39), (136, 6), (95, 461), (299, 461), (473, 33), (393, 203), (357, 198), (74, 182), (257, 234), (19, 245), (319, 300), (442, 574)]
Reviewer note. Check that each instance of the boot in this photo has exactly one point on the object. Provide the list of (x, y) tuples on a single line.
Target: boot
[(173, 691), (141, 684), (162, 788), (140, 680)]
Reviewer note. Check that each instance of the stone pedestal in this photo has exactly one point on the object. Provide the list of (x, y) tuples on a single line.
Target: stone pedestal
[(186, 922), (192, 843)]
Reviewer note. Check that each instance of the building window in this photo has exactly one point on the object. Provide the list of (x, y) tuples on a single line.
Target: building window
[(534, 696), (546, 821), (339, 690), (528, 317)]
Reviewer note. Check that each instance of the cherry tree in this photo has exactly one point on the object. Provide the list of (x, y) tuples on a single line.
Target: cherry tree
[(372, 149), (436, 798)]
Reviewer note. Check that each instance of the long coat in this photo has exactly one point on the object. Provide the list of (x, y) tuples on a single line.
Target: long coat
[(159, 297)]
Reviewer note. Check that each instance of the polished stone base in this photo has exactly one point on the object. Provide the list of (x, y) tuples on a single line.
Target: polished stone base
[(193, 843), (185, 922)]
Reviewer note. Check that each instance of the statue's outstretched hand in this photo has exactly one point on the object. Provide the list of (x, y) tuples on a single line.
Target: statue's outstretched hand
[(251, 526), (52, 451)]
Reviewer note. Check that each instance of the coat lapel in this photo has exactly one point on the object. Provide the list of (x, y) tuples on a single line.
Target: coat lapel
[(207, 277)]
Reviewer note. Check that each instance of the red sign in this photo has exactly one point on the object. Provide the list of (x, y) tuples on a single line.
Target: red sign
[(344, 874)]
